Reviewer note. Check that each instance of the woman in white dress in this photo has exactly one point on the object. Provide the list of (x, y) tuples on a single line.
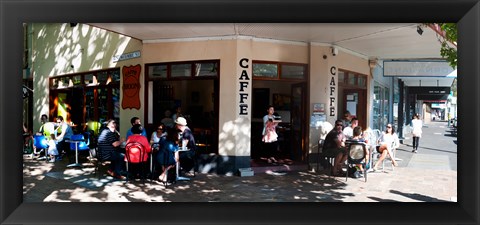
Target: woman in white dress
[(387, 142), (416, 131)]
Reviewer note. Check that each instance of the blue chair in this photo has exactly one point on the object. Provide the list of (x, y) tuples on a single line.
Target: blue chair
[(78, 143), (41, 143)]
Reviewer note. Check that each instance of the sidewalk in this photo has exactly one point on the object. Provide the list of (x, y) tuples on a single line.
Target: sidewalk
[(420, 177)]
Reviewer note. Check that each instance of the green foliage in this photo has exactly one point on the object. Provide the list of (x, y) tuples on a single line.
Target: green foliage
[(447, 52)]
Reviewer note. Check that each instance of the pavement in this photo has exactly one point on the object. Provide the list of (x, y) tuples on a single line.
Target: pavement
[(427, 176)]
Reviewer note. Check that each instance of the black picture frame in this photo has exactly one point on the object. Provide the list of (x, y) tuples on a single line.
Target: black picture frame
[(14, 13)]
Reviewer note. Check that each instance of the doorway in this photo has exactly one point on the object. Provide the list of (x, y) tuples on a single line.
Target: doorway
[(354, 101), (288, 99)]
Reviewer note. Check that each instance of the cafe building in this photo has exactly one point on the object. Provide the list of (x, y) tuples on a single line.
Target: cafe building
[(223, 86)]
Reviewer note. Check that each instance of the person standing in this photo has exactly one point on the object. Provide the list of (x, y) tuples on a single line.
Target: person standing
[(269, 136), (416, 131)]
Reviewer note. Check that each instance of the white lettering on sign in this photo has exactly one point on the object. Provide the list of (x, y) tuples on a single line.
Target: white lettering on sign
[(244, 82), (333, 95), (419, 68), (126, 56)]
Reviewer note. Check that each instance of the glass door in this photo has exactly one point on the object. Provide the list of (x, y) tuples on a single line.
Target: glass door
[(298, 121)]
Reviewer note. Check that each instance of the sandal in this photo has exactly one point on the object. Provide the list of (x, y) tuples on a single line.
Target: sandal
[(394, 163)]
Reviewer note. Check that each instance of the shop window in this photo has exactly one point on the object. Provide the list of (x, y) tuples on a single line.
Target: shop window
[(341, 77), (181, 70), (77, 80), (115, 76), (206, 69), (352, 79), (380, 106), (90, 79), (102, 77), (157, 71), (101, 96), (362, 81), (293, 71), (278, 70), (265, 70)]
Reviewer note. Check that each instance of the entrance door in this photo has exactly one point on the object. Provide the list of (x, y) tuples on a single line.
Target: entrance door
[(356, 103), (297, 121)]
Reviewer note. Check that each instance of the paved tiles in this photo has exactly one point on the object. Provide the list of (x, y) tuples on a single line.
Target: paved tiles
[(421, 177)]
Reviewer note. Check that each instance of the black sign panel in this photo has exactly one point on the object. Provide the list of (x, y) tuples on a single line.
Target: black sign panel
[(429, 90)]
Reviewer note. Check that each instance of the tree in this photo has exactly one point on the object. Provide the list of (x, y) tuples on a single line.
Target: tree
[(447, 38)]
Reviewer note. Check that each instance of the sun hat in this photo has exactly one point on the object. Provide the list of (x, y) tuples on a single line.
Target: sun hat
[(181, 121)]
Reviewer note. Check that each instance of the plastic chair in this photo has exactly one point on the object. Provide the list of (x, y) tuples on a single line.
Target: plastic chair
[(135, 155), (40, 142), (330, 159), (356, 154)]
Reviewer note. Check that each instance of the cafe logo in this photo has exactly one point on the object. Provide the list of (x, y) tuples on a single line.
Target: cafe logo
[(131, 87)]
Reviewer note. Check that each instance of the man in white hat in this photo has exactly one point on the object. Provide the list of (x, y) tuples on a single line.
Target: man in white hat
[(186, 158)]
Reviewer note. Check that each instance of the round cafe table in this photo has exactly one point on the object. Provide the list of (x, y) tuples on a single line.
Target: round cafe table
[(76, 164)]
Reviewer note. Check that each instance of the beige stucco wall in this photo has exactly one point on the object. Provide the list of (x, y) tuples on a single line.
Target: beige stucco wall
[(321, 78), (58, 46)]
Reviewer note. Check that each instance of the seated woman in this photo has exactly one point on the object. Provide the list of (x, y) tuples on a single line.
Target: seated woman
[(158, 134), (168, 154), (387, 142)]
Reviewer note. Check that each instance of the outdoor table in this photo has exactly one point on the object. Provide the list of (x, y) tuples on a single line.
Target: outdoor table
[(76, 164), (178, 177)]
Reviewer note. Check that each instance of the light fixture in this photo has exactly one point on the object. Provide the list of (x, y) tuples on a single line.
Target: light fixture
[(419, 30)]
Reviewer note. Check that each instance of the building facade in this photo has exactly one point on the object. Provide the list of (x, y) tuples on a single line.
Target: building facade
[(223, 86)]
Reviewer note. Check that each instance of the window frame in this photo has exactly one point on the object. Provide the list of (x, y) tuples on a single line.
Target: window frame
[(279, 70)]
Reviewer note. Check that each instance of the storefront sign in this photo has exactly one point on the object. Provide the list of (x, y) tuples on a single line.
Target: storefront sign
[(333, 95), (244, 81), (126, 56), (419, 68), (131, 87)]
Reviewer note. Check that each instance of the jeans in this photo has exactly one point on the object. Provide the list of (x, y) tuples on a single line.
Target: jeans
[(117, 162), (415, 142)]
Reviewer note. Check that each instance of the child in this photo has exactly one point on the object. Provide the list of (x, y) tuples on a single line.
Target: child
[(52, 148)]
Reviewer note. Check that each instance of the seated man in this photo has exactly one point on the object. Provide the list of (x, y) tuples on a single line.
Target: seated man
[(109, 149), (334, 146)]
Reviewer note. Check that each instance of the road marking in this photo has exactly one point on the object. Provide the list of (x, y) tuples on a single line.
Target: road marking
[(438, 133)]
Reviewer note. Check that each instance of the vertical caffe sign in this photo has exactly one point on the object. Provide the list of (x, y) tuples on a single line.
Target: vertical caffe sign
[(131, 87), (333, 94), (243, 82)]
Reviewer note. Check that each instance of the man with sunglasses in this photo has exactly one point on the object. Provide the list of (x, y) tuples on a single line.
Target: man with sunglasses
[(334, 146)]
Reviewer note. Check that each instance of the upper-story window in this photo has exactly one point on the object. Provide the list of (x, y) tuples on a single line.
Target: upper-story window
[(348, 78), (278, 70), (189, 69)]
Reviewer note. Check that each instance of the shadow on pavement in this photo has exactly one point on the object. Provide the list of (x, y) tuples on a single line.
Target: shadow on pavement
[(418, 197)]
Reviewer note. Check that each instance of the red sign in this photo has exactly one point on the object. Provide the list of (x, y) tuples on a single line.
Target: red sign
[(131, 87)]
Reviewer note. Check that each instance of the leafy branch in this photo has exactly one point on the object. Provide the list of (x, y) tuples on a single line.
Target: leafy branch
[(447, 37)]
